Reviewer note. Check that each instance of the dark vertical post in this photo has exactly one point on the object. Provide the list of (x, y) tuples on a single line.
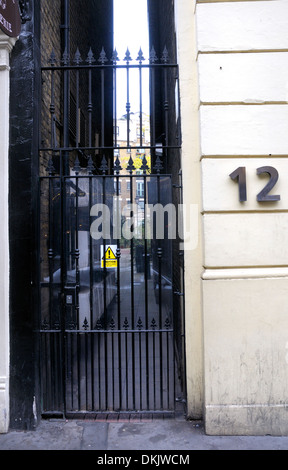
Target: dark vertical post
[(66, 81), (65, 161)]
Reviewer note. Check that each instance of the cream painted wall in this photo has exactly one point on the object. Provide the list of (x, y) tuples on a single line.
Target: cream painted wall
[(243, 108), (6, 45), (191, 169)]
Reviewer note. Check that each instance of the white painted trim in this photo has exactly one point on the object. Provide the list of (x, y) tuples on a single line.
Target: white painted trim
[(192, 195), (6, 46), (244, 273)]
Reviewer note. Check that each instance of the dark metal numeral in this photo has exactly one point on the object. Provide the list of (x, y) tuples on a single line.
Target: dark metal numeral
[(263, 195), (240, 176)]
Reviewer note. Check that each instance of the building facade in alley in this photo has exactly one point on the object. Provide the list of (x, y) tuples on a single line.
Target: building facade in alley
[(191, 319)]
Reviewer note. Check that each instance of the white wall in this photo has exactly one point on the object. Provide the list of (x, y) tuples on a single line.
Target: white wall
[(191, 170), (243, 112), (6, 45)]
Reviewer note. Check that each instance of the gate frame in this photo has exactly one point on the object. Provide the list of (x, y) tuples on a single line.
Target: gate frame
[(66, 67)]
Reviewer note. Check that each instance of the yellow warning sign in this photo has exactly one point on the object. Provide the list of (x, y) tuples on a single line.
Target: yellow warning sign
[(109, 260)]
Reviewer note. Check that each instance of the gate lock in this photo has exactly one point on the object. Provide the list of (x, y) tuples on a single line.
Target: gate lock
[(70, 296)]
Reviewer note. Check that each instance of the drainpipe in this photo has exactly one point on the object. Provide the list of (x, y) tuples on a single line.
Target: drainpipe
[(66, 54)]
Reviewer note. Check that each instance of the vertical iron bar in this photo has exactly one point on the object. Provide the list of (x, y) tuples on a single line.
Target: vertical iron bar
[(52, 109), (168, 337), (140, 104), (50, 251), (147, 325), (132, 289), (63, 267), (160, 252), (146, 286), (46, 381), (78, 368), (104, 260), (118, 220), (50, 197), (103, 107), (105, 300), (91, 299), (72, 369), (153, 139), (128, 106), (99, 371), (166, 107), (79, 348), (132, 251), (146, 256), (140, 370), (66, 111), (52, 359), (112, 337), (90, 107), (126, 369), (77, 109), (77, 271), (86, 367), (115, 105), (154, 368)]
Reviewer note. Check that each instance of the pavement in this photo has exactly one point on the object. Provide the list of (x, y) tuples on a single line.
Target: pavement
[(177, 435)]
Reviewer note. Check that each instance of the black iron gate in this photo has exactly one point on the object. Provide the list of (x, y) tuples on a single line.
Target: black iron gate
[(107, 230)]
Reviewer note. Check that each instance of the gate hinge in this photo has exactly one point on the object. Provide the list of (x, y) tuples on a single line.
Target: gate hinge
[(177, 186)]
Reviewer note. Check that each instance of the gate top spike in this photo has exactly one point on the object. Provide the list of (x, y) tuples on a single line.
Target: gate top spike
[(167, 323), (85, 324), (77, 167), (52, 58), (127, 56), (130, 168), (145, 166), (114, 57), (165, 56), (153, 57), (50, 168), (102, 58), (99, 325), (158, 165), (139, 324), (104, 167), (90, 57), (140, 56), (65, 57), (90, 166), (77, 57), (112, 324), (117, 166), (126, 324)]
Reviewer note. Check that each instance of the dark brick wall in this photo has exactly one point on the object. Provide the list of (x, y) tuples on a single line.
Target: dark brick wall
[(30, 101)]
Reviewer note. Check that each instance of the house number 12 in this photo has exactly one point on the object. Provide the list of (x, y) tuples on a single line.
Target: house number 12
[(239, 175)]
